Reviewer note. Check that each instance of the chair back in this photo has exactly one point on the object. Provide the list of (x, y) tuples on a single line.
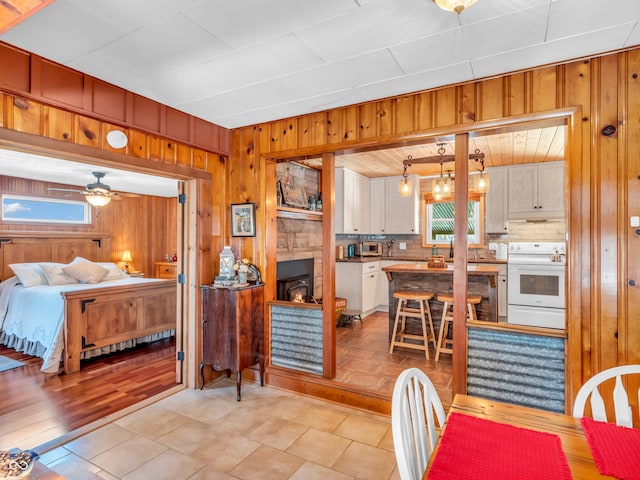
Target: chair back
[(414, 403), (622, 409)]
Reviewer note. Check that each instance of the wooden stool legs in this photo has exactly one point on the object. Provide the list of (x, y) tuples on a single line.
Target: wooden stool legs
[(399, 335), (445, 344)]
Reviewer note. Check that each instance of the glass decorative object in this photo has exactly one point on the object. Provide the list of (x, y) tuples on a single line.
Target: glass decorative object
[(227, 260)]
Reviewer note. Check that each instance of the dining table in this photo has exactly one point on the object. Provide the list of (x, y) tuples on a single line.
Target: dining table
[(532, 425)]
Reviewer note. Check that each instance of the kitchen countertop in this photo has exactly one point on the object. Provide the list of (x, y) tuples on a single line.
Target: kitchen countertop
[(415, 259)]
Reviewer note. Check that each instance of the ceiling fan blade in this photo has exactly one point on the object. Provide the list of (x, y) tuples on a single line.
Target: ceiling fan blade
[(65, 190), (128, 194)]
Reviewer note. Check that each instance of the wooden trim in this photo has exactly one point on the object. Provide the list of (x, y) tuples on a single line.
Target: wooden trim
[(328, 179), (509, 327)]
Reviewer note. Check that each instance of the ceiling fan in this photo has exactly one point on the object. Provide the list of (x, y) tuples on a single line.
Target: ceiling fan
[(98, 193)]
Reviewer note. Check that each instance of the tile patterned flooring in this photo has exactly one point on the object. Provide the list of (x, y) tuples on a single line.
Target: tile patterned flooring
[(270, 434)]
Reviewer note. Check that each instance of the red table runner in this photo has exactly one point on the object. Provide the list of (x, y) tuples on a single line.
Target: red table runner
[(474, 448), (616, 450)]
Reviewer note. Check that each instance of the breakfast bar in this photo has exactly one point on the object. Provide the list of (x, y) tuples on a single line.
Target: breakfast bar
[(481, 280)]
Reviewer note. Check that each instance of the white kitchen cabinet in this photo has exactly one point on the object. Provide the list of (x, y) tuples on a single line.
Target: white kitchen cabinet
[(357, 282), (536, 191), (502, 285), (392, 213), (496, 201), (352, 210)]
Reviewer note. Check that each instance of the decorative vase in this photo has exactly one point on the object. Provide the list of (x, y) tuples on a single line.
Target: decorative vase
[(227, 259), (242, 277)]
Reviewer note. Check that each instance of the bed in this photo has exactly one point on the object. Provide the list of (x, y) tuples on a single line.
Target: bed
[(68, 322)]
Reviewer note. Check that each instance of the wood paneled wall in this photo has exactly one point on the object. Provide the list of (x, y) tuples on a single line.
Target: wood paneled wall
[(147, 226), (603, 185)]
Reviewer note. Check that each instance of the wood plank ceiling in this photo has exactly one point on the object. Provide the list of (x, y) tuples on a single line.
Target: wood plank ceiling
[(535, 144)]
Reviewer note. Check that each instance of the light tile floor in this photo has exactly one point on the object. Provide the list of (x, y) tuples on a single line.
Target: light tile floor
[(207, 435)]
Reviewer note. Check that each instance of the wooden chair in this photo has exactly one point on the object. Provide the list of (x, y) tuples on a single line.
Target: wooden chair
[(621, 405), (413, 423)]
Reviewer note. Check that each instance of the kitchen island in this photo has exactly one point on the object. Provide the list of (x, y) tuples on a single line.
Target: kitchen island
[(481, 280)]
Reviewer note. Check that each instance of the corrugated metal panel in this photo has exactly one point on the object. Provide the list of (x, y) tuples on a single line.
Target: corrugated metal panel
[(516, 368), (296, 338)]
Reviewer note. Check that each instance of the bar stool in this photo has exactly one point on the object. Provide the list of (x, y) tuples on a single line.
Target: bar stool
[(445, 344), (423, 313)]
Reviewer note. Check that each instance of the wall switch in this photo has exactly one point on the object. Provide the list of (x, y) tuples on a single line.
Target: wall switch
[(635, 221), (402, 246)]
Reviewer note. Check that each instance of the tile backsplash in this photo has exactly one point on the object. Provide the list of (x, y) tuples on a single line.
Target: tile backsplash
[(550, 231)]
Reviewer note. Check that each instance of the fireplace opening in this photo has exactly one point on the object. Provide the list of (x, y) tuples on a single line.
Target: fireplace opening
[(294, 280)]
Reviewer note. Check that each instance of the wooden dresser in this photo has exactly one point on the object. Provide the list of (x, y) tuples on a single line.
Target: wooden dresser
[(233, 330), (166, 270)]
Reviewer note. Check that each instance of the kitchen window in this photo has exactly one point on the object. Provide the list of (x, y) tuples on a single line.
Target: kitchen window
[(438, 223)]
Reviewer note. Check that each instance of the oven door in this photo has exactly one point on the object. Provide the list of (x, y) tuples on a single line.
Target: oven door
[(536, 285)]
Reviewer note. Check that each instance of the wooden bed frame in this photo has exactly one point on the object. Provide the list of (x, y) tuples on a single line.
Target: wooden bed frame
[(95, 317)]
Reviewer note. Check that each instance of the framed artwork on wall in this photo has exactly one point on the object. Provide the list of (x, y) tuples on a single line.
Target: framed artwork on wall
[(243, 220)]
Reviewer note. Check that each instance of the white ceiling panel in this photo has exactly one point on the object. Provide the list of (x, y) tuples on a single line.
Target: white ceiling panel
[(242, 62), (549, 52), (376, 26), (64, 33), (260, 20), (167, 44), (575, 17)]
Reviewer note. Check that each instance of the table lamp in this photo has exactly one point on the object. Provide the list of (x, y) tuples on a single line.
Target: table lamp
[(126, 258)]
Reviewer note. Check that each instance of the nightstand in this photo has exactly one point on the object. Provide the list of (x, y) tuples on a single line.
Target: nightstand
[(166, 270)]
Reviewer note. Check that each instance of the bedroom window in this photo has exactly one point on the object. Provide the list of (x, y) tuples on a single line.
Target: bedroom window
[(19, 208)]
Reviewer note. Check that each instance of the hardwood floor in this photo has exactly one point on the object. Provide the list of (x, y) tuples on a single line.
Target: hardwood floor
[(36, 408)]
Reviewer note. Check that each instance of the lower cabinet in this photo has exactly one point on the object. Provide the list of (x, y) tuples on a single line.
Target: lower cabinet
[(357, 282), (382, 289), (232, 330), (502, 287)]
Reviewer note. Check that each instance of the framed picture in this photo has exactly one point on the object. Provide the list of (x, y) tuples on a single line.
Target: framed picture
[(243, 220)]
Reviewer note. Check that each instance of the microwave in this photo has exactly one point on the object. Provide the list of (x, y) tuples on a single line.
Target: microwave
[(368, 249)]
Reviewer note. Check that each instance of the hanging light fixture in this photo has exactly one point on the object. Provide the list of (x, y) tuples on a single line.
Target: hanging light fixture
[(441, 187), (480, 181), (405, 182), (454, 5), (98, 199)]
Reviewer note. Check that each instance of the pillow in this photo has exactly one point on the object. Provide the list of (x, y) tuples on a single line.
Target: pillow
[(85, 271), (113, 271), (55, 275), (29, 274)]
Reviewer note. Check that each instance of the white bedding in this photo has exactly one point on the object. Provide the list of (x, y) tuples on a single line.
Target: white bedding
[(31, 319)]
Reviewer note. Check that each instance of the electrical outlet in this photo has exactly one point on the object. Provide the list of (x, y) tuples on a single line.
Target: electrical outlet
[(402, 246)]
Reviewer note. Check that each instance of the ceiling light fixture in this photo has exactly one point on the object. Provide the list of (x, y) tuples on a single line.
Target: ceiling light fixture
[(442, 187), (97, 199), (454, 5)]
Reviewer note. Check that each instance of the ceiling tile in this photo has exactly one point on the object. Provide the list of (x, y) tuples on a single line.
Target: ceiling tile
[(259, 20), (166, 44), (376, 26), (61, 32), (574, 17), (550, 52), (475, 40)]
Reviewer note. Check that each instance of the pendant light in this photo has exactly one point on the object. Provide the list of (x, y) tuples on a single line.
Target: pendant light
[(406, 186), (480, 181), (441, 187)]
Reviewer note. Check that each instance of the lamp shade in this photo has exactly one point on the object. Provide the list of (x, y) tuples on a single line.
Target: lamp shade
[(97, 199), (454, 5), (126, 256)]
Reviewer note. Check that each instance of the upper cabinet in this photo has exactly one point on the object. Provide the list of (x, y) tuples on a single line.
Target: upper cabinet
[(352, 202), (536, 191), (497, 214), (392, 213)]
